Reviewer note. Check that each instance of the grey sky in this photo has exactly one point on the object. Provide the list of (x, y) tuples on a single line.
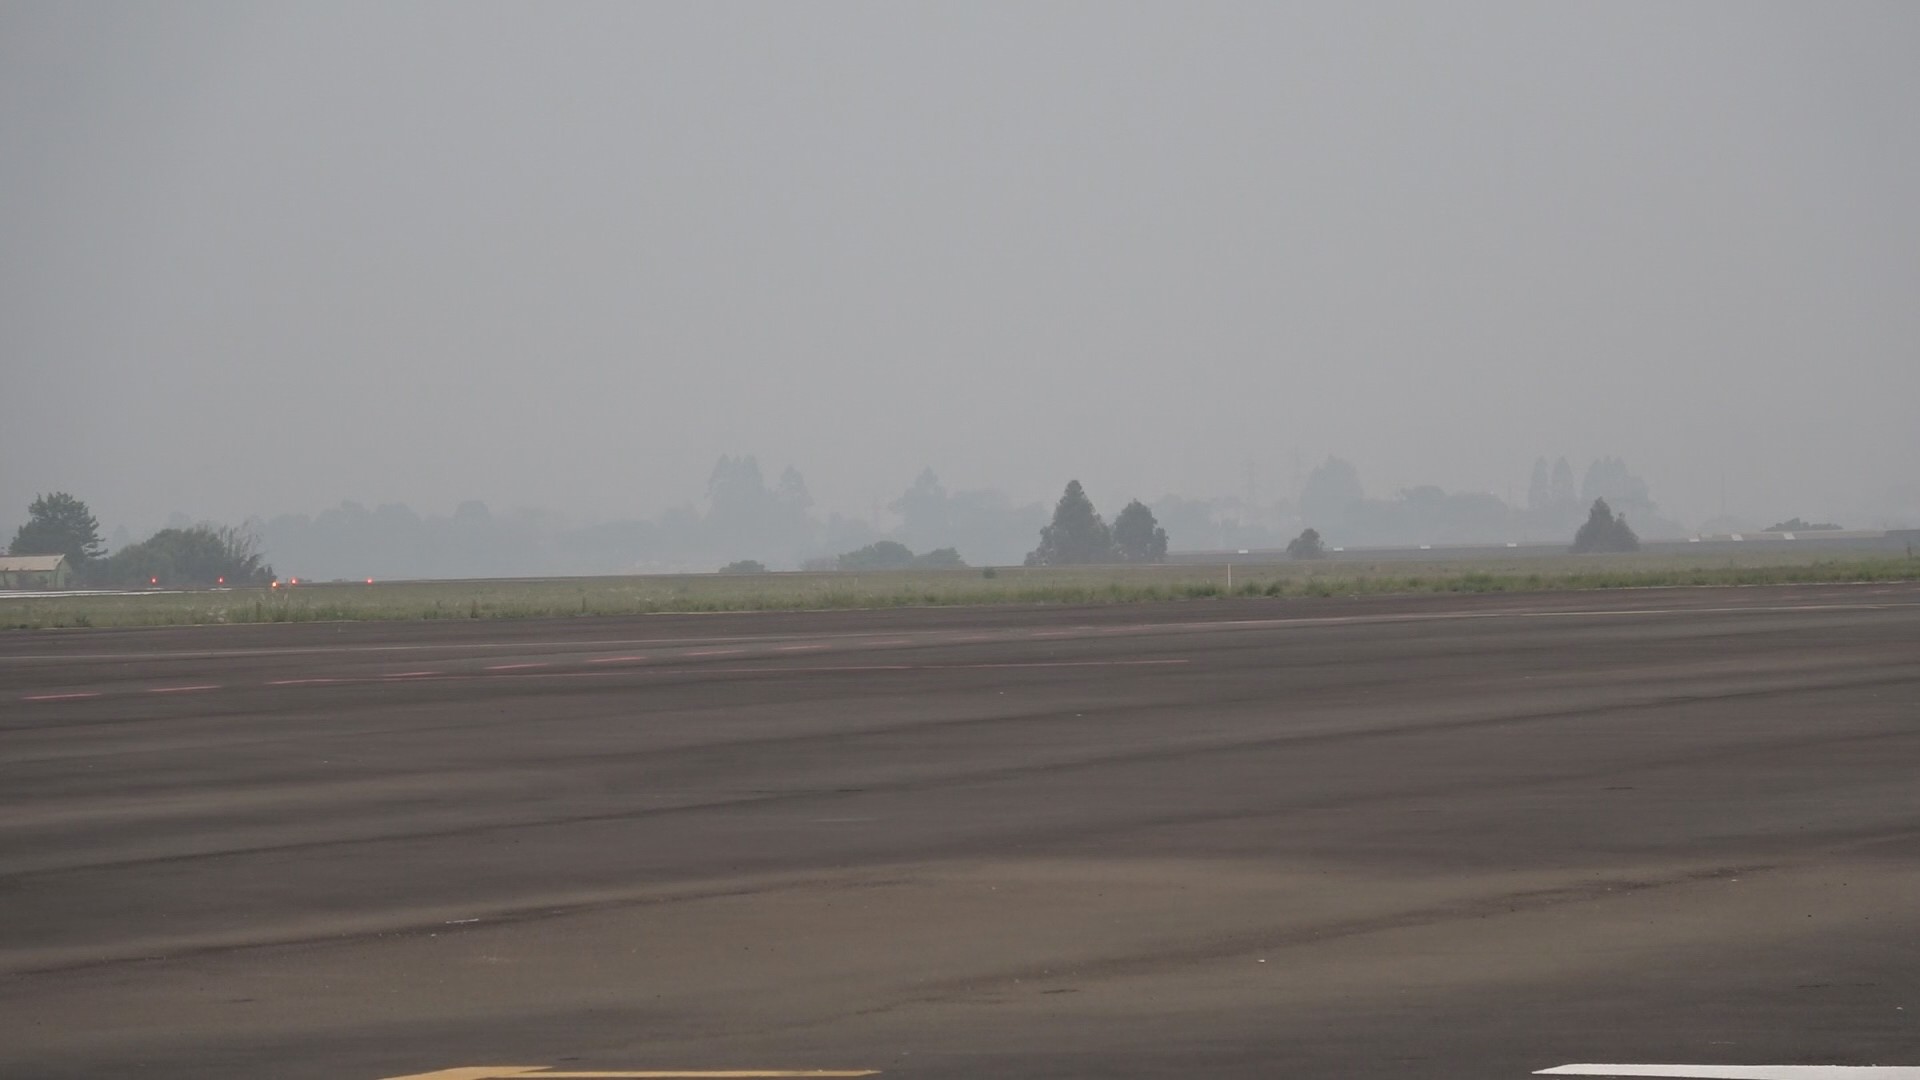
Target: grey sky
[(258, 258)]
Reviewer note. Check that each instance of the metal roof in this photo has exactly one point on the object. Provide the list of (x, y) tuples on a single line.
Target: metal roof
[(12, 564)]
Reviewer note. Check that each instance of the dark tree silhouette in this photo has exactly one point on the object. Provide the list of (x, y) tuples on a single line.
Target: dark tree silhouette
[(1137, 536), (894, 555), (1604, 532), (196, 555), (945, 558), (1077, 534), (59, 524), (1307, 546), (879, 555), (1797, 525)]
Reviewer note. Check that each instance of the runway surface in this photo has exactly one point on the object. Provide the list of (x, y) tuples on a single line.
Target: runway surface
[(1387, 837)]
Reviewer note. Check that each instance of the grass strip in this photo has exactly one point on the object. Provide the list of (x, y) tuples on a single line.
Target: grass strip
[(657, 594)]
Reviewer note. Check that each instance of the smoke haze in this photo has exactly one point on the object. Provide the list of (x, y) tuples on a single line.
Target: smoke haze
[(258, 259)]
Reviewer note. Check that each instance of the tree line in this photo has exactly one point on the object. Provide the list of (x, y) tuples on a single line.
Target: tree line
[(1334, 502), (1078, 535), (748, 518), (204, 554)]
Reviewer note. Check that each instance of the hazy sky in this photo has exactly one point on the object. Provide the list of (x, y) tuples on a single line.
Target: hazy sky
[(258, 258)]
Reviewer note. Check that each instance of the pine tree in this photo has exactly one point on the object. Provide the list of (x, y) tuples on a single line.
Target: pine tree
[(1604, 532), (1077, 534), (59, 524)]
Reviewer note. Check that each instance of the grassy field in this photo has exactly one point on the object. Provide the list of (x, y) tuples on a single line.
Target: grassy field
[(555, 597)]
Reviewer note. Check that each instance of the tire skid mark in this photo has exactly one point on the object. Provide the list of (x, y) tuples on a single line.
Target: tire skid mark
[(1273, 941), (431, 921), (1046, 768)]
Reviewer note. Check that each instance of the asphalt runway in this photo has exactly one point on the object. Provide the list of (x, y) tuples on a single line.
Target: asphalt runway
[(1390, 837)]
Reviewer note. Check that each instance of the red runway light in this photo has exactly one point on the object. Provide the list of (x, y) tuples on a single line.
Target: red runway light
[(369, 581), (153, 581)]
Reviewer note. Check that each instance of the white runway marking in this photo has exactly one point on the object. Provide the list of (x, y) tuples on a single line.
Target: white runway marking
[(62, 697), (39, 594), (1744, 1072), (513, 667), (180, 689)]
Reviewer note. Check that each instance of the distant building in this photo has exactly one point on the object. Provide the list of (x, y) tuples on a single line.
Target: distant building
[(35, 572)]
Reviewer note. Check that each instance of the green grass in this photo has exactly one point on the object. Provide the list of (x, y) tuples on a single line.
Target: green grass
[(556, 597)]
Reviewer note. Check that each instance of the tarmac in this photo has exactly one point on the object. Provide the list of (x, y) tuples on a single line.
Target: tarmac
[(1433, 836)]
